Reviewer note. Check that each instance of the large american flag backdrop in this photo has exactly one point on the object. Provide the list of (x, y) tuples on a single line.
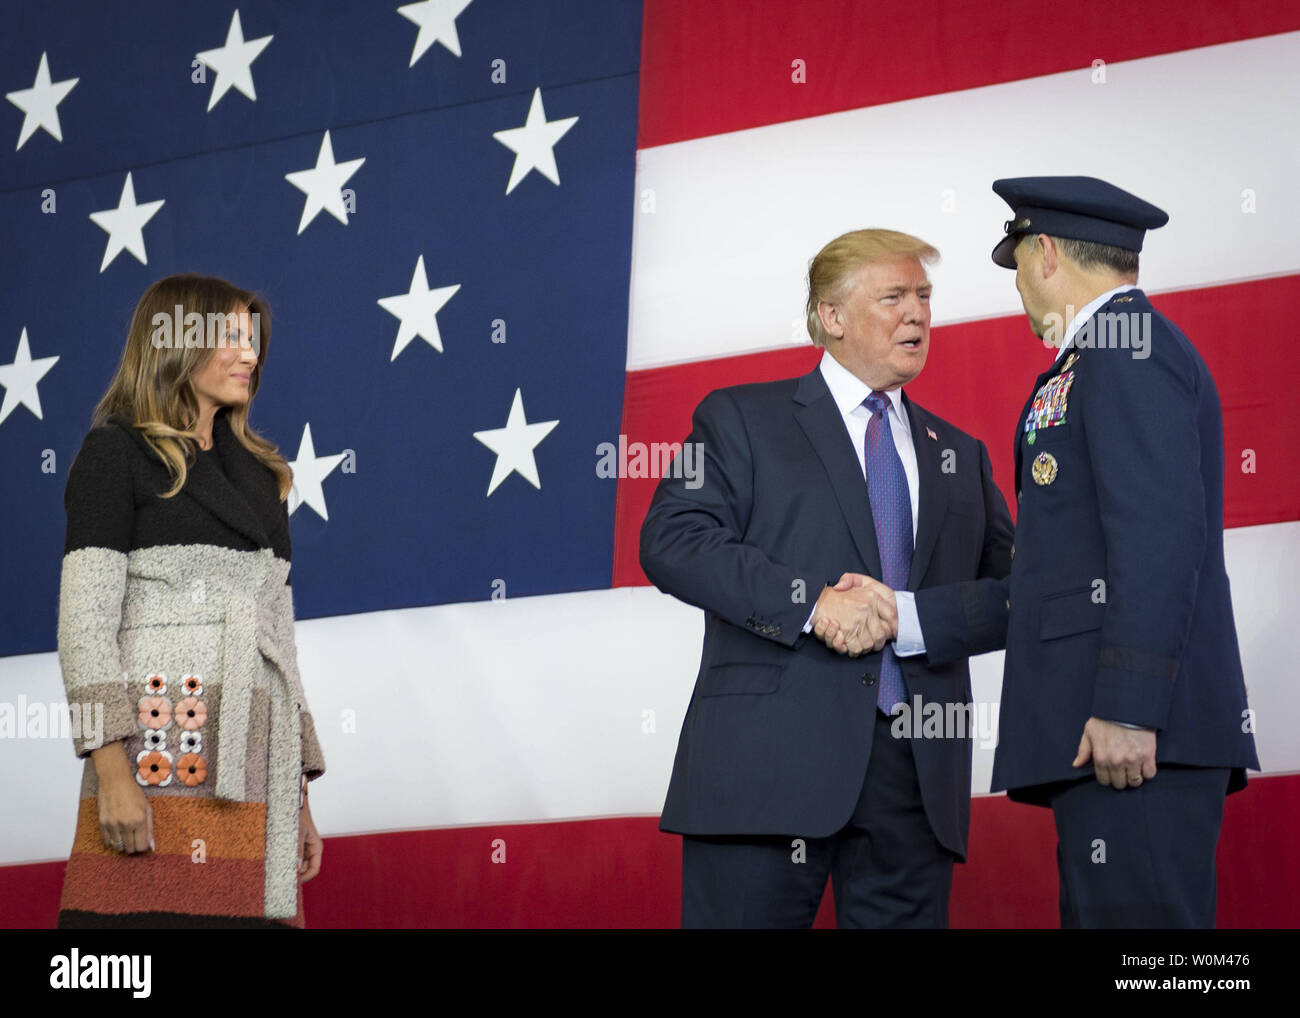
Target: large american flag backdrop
[(497, 235)]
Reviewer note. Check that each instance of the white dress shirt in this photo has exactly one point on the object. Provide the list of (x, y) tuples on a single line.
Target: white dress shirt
[(849, 393)]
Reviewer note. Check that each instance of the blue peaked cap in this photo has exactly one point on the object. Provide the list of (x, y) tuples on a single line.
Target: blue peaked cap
[(1078, 208)]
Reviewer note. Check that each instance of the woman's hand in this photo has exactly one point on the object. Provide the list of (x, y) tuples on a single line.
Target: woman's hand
[(125, 816), (310, 845)]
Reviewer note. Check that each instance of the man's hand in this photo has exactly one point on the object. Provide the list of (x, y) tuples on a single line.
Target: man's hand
[(886, 604), (850, 580), (1121, 757), (855, 616)]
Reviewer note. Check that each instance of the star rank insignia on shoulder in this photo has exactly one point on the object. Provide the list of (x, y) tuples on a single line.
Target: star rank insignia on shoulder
[(1123, 300)]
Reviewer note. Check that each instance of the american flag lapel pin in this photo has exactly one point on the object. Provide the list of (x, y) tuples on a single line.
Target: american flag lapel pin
[(930, 432)]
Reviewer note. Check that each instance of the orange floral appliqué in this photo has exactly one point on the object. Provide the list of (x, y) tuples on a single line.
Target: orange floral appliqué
[(192, 684), (155, 712), (191, 713), (153, 767), (156, 684), (191, 769)]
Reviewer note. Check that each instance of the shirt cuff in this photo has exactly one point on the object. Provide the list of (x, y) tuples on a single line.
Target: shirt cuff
[(1125, 724), (807, 626), (910, 641)]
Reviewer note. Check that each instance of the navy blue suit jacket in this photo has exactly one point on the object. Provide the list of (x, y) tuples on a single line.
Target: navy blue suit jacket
[(778, 733), (1117, 605)]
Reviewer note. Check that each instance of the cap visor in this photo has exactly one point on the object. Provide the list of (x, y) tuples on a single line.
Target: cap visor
[(1005, 253)]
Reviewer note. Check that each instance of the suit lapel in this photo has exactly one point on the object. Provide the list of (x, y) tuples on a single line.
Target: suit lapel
[(932, 497), (820, 419)]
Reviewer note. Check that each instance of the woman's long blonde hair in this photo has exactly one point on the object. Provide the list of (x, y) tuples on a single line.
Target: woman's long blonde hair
[(153, 388)]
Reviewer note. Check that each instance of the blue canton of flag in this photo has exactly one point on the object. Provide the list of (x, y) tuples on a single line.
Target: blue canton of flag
[(436, 201)]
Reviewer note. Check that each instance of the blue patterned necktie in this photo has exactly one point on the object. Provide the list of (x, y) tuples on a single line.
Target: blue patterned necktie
[(891, 509)]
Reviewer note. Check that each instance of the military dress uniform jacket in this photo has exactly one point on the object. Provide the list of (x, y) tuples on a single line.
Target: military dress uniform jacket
[(1118, 605), (176, 615)]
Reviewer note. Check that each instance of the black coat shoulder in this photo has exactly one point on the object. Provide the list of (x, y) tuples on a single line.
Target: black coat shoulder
[(100, 495)]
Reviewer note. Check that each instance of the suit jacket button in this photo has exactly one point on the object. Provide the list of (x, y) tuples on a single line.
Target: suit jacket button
[(1008, 606), (869, 679)]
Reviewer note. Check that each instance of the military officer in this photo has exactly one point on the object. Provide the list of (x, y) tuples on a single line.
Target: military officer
[(1123, 702)]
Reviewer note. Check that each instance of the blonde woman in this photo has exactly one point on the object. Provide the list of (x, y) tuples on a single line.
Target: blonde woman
[(176, 615)]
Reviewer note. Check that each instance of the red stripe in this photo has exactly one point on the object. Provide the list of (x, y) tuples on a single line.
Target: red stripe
[(979, 374), (726, 65), (625, 873)]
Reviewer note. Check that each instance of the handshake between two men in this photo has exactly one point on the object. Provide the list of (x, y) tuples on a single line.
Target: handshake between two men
[(858, 615)]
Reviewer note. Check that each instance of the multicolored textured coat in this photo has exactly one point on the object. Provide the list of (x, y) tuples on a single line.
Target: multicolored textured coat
[(176, 615)]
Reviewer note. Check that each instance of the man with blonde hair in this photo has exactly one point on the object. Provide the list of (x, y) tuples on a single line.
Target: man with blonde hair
[(790, 767)]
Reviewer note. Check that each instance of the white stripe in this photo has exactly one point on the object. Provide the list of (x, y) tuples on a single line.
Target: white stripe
[(720, 264), (535, 708)]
